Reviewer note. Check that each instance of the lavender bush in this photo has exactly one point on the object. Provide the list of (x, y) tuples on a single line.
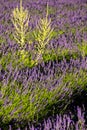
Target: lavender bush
[(59, 122)]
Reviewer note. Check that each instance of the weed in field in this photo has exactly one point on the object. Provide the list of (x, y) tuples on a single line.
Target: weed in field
[(20, 19), (43, 36)]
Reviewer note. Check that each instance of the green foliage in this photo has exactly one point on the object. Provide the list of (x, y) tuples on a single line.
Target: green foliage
[(25, 58), (11, 36), (10, 98), (27, 104), (59, 53), (32, 104), (60, 32), (29, 37), (73, 30), (43, 36), (2, 40), (83, 48), (20, 59), (62, 51), (84, 29), (51, 10), (76, 81), (57, 33), (20, 19), (10, 58), (5, 60), (54, 34), (49, 55)]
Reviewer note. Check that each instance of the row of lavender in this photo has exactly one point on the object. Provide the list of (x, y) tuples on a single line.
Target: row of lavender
[(68, 38), (58, 123), (49, 85), (71, 77)]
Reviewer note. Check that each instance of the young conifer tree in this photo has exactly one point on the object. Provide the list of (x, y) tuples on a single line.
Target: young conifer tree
[(20, 19), (43, 36)]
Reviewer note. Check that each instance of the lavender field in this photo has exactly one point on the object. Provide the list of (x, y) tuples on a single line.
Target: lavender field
[(43, 65)]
